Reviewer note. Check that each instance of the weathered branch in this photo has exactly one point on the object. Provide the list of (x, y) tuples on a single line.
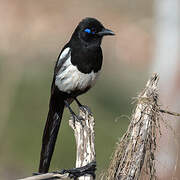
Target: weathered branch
[(47, 176), (84, 135), (135, 151), (169, 112)]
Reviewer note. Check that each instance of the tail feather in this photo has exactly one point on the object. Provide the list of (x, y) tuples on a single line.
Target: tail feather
[(56, 108)]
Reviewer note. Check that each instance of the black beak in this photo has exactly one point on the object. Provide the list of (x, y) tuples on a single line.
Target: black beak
[(105, 32)]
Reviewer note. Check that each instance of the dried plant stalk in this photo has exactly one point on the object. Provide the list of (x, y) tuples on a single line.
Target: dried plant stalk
[(85, 138), (135, 151), (48, 176)]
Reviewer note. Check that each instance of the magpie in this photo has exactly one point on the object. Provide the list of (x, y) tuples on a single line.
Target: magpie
[(76, 70)]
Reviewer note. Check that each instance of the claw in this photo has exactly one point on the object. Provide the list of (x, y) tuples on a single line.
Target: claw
[(78, 119), (74, 116), (85, 109)]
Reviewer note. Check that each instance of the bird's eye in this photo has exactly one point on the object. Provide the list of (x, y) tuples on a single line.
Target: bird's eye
[(87, 30)]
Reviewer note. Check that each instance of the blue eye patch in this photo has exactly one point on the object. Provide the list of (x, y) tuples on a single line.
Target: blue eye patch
[(87, 30)]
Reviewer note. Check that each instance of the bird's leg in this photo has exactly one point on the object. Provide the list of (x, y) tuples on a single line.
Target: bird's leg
[(75, 117), (84, 108)]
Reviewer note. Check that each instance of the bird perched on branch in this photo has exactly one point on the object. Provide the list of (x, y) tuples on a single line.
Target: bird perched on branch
[(76, 70)]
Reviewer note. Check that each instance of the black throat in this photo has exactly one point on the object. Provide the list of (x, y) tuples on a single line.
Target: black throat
[(86, 56)]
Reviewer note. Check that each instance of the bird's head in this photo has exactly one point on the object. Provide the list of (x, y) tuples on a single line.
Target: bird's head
[(91, 31)]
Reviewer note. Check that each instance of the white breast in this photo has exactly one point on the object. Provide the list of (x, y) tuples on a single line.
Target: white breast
[(69, 78)]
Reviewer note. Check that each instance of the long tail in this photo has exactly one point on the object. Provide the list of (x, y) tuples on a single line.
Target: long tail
[(56, 108)]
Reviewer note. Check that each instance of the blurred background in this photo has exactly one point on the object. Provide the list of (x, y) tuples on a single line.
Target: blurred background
[(32, 34)]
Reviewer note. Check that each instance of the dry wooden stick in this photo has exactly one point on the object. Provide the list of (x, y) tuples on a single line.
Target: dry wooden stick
[(135, 151), (84, 135), (47, 176), (169, 112)]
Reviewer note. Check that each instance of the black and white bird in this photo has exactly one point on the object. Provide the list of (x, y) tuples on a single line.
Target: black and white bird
[(76, 70)]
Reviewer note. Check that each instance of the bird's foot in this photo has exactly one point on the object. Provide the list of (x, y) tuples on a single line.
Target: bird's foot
[(77, 119), (85, 109)]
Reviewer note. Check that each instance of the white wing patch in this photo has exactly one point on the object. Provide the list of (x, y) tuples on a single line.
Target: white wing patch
[(63, 54), (69, 78)]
